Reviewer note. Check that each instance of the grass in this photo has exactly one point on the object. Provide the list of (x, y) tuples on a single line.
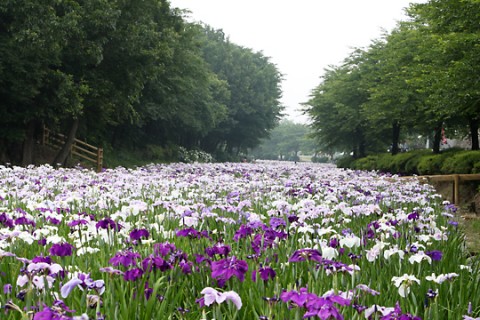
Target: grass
[(471, 226)]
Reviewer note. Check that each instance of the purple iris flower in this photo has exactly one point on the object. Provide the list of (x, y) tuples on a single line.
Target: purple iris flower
[(190, 233), (186, 267), (163, 249), (125, 258), (276, 223), (54, 221), (156, 262), (292, 218), (199, 258), (7, 288), (322, 308), (222, 250), (431, 293), (46, 259), (297, 298), (132, 274), (108, 223), (265, 274), (413, 216), (354, 256), (359, 308), (333, 266), (397, 314), (224, 269), (242, 232), (6, 221), (370, 234), (306, 254), (48, 313), (453, 223), (137, 234), (24, 221), (83, 281), (333, 242), (77, 222), (111, 270), (436, 255), (61, 249)]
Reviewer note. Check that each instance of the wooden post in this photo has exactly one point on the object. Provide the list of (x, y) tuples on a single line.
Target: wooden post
[(45, 136), (99, 159), (456, 187)]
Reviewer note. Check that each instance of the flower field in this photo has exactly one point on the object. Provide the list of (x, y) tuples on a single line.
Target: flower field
[(229, 241)]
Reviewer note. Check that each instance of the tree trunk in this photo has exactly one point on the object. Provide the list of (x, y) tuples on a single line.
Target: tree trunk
[(361, 143), (62, 155), (473, 123), (437, 138), (28, 143), (395, 137)]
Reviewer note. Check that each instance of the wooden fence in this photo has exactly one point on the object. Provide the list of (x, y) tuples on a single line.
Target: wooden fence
[(456, 180), (79, 148)]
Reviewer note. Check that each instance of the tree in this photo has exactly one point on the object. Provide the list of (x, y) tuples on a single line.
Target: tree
[(339, 123), (392, 65), (253, 106), (33, 87), (454, 84), (285, 142)]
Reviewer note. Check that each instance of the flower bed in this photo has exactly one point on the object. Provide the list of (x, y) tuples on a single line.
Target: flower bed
[(229, 241)]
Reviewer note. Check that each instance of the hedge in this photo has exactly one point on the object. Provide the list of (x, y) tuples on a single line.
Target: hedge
[(423, 162)]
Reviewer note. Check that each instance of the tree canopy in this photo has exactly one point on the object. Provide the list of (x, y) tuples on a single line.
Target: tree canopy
[(128, 74), (417, 79), (286, 141)]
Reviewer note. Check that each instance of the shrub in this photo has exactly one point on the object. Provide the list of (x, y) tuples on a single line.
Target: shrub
[(411, 166), (384, 162), (345, 162), (190, 156), (461, 162), (430, 164), (399, 162), (320, 159), (367, 163)]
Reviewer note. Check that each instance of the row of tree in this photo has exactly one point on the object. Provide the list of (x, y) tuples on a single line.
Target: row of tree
[(416, 80), (286, 142), (128, 74)]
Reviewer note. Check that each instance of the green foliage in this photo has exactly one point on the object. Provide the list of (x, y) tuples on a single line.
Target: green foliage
[(419, 78), (422, 162), (461, 162), (431, 164), (191, 156), (135, 75), (253, 103), (335, 107), (384, 162), (345, 162), (320, 159), (285, 142)]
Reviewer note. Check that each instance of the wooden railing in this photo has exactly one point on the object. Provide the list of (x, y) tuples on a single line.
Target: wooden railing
[(456, 179), (79, 148)]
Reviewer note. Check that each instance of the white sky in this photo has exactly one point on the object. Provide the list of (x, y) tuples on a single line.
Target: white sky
[(301, 37)]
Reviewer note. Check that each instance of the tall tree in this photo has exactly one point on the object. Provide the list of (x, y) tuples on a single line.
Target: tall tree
[(397, 96), (33, 87), (254, 101), (454, 84), (335, 106), (285, 142)]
